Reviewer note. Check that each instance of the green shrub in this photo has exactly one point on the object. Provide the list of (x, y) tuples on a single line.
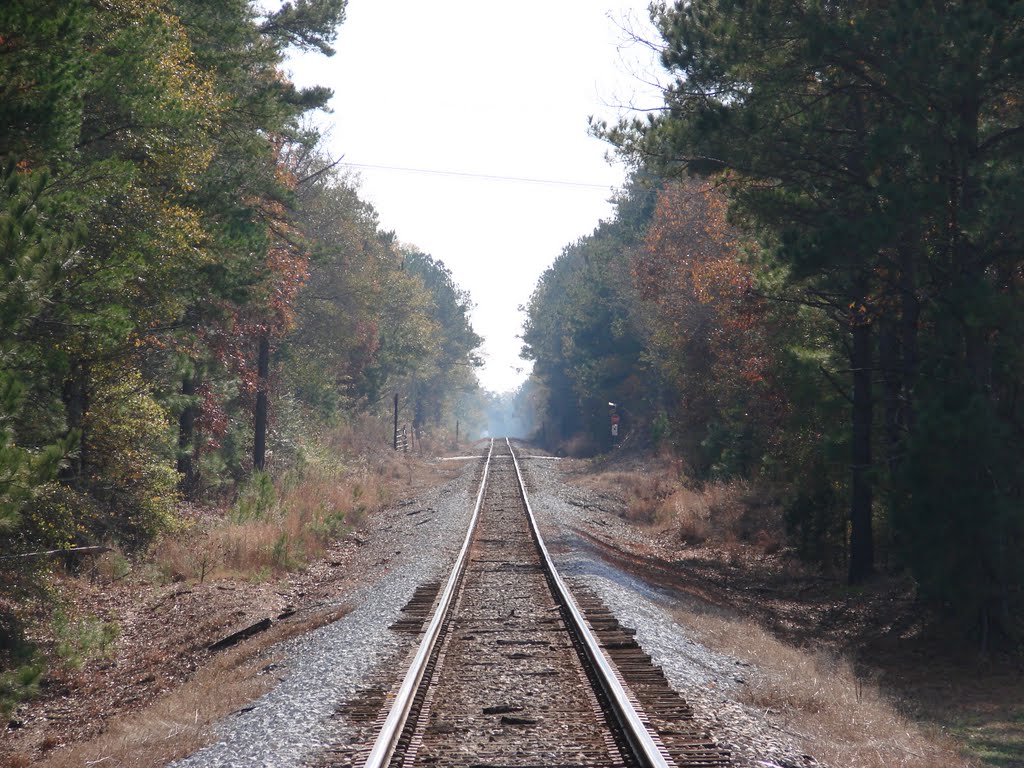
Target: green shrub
[(959, 522), (79, 640), (129, 461), (17, 685), (816, 521), (285, 554), (661, 430), (256, 498)]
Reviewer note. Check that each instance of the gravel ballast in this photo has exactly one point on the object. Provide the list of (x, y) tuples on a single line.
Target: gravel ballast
[(415, 543), (711, 682)]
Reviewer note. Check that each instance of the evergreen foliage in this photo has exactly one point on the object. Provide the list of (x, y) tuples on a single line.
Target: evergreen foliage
[(581, 329), (871, 159), (165, 214)]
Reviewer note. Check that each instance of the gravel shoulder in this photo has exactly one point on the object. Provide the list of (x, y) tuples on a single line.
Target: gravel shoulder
[(106, 710), (571, 519), (408, 545)]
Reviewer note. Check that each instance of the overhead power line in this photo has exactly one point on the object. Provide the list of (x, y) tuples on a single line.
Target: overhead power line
[(485, 176)]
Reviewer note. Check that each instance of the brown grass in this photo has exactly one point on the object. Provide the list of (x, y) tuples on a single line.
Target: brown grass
[(310, 509), (645, 494), (839, 718), (581, 446), (721, 512), (728, 512), (276, 528), (181, 721)]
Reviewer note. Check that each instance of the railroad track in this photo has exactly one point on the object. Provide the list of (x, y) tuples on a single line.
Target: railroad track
[(513, 670)]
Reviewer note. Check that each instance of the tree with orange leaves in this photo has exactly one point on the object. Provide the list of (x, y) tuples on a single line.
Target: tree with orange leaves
[(708, 332)]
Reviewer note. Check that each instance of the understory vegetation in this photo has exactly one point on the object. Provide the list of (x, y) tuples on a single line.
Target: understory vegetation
[(812, 282), (279, 524), (202, 324), (840, 717)]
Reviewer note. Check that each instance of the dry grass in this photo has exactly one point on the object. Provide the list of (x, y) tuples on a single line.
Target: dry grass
[(581, 446), (721, 512), (293, 524), (841, 719), (181, 721), (729, 512), (645, 494), (281, 525)]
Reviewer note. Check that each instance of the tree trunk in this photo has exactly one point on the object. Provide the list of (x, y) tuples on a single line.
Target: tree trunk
[(396, 421), (418, 414), (910, 311), (188, 466), (75, 395), (259, 452), (862, 554), (892, 395)]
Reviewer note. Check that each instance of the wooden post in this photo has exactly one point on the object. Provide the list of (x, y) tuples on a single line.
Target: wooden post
[(396, 421)]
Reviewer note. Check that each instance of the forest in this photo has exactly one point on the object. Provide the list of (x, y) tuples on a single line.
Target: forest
[(813, 278), (193, 293)]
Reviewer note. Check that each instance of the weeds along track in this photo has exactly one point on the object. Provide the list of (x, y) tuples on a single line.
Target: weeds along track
[(512, 670)]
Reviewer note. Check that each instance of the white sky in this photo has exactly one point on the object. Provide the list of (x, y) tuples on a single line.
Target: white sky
[(500, 89)]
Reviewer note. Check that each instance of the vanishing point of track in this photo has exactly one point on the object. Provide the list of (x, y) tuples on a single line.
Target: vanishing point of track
[(513, 670)]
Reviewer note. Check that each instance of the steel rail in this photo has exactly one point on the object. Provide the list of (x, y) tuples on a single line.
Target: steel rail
[(639, 737), (391, 731)]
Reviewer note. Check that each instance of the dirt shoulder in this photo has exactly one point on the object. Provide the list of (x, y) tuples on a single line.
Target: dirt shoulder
[(890, 639), (161, 682), (165, 634)]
